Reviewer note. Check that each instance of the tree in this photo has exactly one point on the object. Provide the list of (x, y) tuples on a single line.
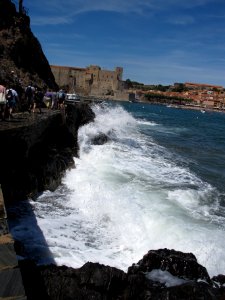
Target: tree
[(179, 87), (128, 83)]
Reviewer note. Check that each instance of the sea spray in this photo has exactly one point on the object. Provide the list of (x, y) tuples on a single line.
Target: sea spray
[(125, 197)]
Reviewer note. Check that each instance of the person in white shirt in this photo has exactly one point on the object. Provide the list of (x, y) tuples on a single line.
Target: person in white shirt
[(2, 101)]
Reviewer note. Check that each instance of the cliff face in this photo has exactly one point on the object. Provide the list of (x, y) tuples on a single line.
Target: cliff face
[(36, 150), (20, 51)]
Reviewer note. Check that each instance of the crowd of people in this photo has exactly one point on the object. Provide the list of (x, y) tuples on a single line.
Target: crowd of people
[(32, 98)]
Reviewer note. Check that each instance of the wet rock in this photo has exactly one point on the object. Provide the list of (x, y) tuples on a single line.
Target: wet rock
[(96, 281), (183, 265), (219, 280), (100, 139)]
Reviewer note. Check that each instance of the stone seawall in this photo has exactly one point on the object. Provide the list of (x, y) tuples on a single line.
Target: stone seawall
[(11, 285), (36, 150)]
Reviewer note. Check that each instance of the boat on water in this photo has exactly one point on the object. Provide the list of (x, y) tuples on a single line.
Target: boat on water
[(172, 106), (134, 100), (202, 111)]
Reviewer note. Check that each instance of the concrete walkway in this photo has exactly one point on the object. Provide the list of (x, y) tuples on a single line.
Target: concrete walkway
[(11, 285)]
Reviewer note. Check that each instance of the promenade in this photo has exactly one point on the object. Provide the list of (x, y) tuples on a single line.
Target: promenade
[(22, 119)]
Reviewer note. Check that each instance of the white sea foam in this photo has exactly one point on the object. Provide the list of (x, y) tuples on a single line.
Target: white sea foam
[(148, 123), (165, 277), (124, 198)]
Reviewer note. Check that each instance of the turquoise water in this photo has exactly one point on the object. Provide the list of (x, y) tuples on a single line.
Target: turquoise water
[(158, 182)]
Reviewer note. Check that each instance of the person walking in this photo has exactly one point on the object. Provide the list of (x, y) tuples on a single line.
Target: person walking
[(11, 98), (2, 102), (54, 103), (29, 96), (61, 95), (38, 99)]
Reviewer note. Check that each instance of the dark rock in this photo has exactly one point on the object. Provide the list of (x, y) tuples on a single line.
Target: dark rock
[(183, 265), (100, 139), (102, 278), (81, 112), (92, 281), (220, 280), (38, 150), (96, 281), (33, 281), (21, 52)]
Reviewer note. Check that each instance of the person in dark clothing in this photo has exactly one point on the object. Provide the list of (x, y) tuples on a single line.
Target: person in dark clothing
[(12, 99), (38, 99), (29, 95)]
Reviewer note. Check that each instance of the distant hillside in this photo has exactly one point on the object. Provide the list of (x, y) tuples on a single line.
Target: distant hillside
[(20, 51)]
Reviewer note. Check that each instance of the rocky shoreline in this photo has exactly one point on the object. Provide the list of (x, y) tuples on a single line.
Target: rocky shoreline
[(37, 149), (43, 147), (35, 152), (161, 274)]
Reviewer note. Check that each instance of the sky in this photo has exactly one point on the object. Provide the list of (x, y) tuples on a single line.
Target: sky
[(155, 41)]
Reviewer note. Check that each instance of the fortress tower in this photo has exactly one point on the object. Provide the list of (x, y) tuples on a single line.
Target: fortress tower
[(89, 81)]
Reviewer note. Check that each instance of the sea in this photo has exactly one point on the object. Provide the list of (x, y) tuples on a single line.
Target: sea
[(157, 182)]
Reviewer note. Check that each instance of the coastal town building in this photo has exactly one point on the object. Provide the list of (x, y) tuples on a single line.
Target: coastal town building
[(205, 95), (91, 81), (202, 86), (194, 94)]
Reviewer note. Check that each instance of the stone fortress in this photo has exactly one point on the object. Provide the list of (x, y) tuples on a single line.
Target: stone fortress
[(91, 81)]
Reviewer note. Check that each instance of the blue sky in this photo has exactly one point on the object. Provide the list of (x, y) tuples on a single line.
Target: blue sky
[(155, 41)]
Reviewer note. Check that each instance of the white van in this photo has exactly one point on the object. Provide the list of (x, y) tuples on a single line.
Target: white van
[(72, 98)]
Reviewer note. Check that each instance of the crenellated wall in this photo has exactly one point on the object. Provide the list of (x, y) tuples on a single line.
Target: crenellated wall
[(89, 81)]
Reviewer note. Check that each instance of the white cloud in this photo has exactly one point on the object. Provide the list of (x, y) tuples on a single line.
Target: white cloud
[(56, 20), (181, 20), (64, 11)]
